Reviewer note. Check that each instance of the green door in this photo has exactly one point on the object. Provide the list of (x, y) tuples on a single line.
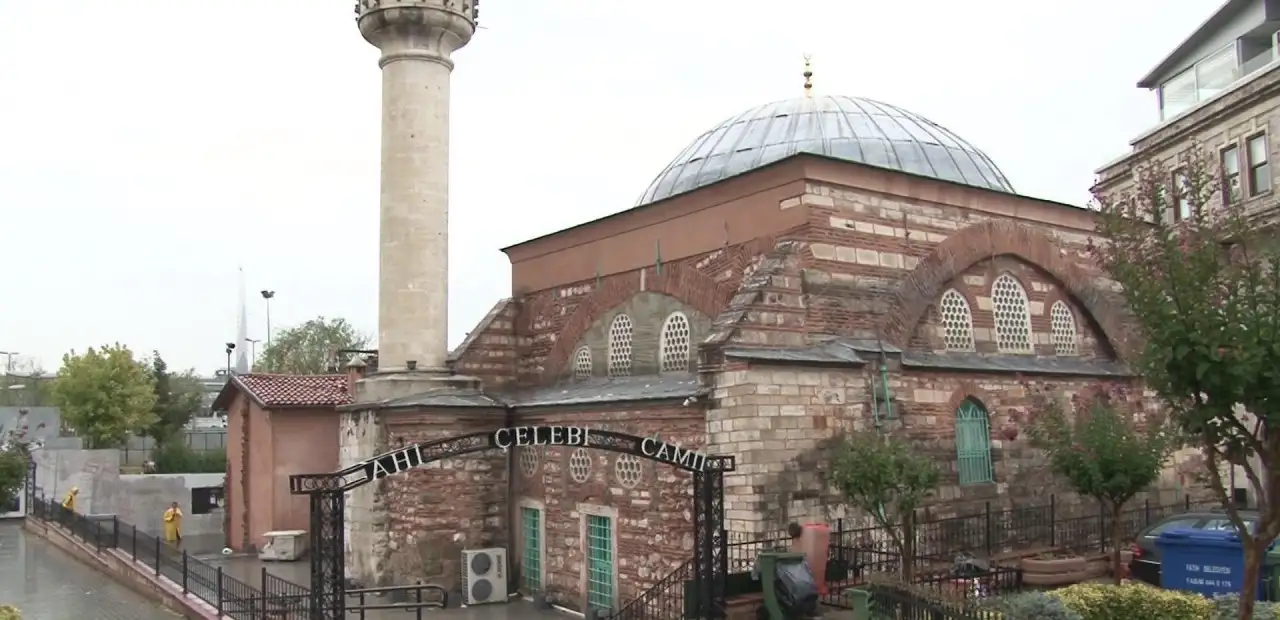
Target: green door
[(531, 561), (973, 443), (600, 562)]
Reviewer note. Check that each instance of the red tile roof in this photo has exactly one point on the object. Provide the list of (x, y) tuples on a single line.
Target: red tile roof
[(295, 390)]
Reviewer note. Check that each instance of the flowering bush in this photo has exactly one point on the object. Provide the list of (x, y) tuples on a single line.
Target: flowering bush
[(1032, 606), (1133, 601), (9, 612), (1228, 608)]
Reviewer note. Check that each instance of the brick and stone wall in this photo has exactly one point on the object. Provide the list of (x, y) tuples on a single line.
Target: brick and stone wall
[(780, 422), (653, 516), (648, 313), (1042, 291), (415, 524)]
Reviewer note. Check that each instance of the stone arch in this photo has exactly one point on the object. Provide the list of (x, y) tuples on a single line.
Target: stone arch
[(982, 241), (684, 283)]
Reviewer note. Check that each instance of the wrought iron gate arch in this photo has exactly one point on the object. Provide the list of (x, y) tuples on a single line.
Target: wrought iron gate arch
[(327, 493)]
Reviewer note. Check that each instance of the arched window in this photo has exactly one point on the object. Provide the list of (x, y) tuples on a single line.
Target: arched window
[(674, 348), (973, 443), (620, 333), (1062, 330), (582, 363), (957, 321), (1013, 316)]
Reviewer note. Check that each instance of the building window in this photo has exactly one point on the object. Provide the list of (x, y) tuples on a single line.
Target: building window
[(531, 560), (620, 346), (529, 461), (600, 568), (674, 348), (1062, 329), (580, 466), (1259, 169), (973, 443), (582, 363), (957, 321), (1013, 315), (629, 468), (1182, 202), (1207, 78), (205, 500), (1230, 174)]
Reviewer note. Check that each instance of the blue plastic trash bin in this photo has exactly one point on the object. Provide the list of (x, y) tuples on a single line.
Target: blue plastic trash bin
[(1207, 562)]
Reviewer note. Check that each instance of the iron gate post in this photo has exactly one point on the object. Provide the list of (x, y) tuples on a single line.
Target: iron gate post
[(328, 555)]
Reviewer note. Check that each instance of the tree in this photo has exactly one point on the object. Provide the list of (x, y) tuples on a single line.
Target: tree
[(1200, 280), (1104, 446), (178, 399), (15, 455), (888, 479), (25, 384), (105, 394), (309, 349)]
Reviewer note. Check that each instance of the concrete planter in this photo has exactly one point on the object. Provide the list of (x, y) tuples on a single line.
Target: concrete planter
[(1056, 571)]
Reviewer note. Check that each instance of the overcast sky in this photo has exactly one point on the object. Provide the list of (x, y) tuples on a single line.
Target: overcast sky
[(149, 147)]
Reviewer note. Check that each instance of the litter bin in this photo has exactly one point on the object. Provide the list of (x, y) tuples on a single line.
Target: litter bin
[(1207, 562), (768, 563)]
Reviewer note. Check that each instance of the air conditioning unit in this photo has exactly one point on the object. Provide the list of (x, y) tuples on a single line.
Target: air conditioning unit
[(484, 576), (283, 546)]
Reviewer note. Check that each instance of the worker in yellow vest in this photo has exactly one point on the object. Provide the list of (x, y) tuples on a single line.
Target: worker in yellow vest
[(173, 524), (70, 502)]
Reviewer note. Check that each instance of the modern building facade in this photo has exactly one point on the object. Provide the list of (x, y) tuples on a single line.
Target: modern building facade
[(1218, 89)]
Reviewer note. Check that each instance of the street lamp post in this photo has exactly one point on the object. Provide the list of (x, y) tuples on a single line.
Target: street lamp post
[(253, 351), (8, 371), (267, 295), (231, 346)]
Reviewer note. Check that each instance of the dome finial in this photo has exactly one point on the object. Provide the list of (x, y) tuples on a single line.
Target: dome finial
[(808, 75)]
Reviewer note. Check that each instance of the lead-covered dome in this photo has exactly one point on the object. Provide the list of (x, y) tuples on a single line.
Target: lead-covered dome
[(848, 128)]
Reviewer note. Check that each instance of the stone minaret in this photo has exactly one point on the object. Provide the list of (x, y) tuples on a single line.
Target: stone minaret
[(417, 39)]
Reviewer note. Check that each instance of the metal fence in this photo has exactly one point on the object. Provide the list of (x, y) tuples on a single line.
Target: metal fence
[(855, 554), (275, 598), (137, 450)]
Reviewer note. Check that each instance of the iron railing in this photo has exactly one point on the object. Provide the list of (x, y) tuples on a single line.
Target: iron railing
[(857, 553), (900, 604), (275, 599)]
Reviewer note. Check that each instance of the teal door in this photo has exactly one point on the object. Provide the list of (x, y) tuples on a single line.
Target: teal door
[(600, 569), (531, 558), (973, 443)]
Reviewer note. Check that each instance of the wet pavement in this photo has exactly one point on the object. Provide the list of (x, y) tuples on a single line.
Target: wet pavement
[(249, 569), (49, 584)]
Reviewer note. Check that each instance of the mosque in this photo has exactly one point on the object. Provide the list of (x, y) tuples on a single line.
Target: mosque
[(806, 268)]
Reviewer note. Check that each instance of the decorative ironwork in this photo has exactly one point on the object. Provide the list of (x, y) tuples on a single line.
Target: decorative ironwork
[(328, 596), (328, 491)]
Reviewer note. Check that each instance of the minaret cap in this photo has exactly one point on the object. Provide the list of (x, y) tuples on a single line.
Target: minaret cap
[(808, 75)]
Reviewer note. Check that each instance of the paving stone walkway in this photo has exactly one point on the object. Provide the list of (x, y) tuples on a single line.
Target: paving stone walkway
[(48, 584)]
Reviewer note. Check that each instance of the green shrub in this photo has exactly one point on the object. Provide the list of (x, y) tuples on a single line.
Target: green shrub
[(9, 612), (1227, 607), (177, 458), (1032, 606), (1133, 601)]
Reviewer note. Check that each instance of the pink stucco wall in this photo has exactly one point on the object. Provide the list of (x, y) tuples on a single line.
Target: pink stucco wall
[(280, 442)]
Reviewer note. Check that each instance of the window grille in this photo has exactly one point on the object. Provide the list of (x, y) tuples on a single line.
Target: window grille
[(1013, 316), (582, 363), (620, 333), (973, 444), (957, 321), (675, 343), (1062, 324)]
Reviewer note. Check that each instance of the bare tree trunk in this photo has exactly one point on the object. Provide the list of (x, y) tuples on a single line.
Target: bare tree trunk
[(1116, 539), (909, 546), (1252, 568)]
